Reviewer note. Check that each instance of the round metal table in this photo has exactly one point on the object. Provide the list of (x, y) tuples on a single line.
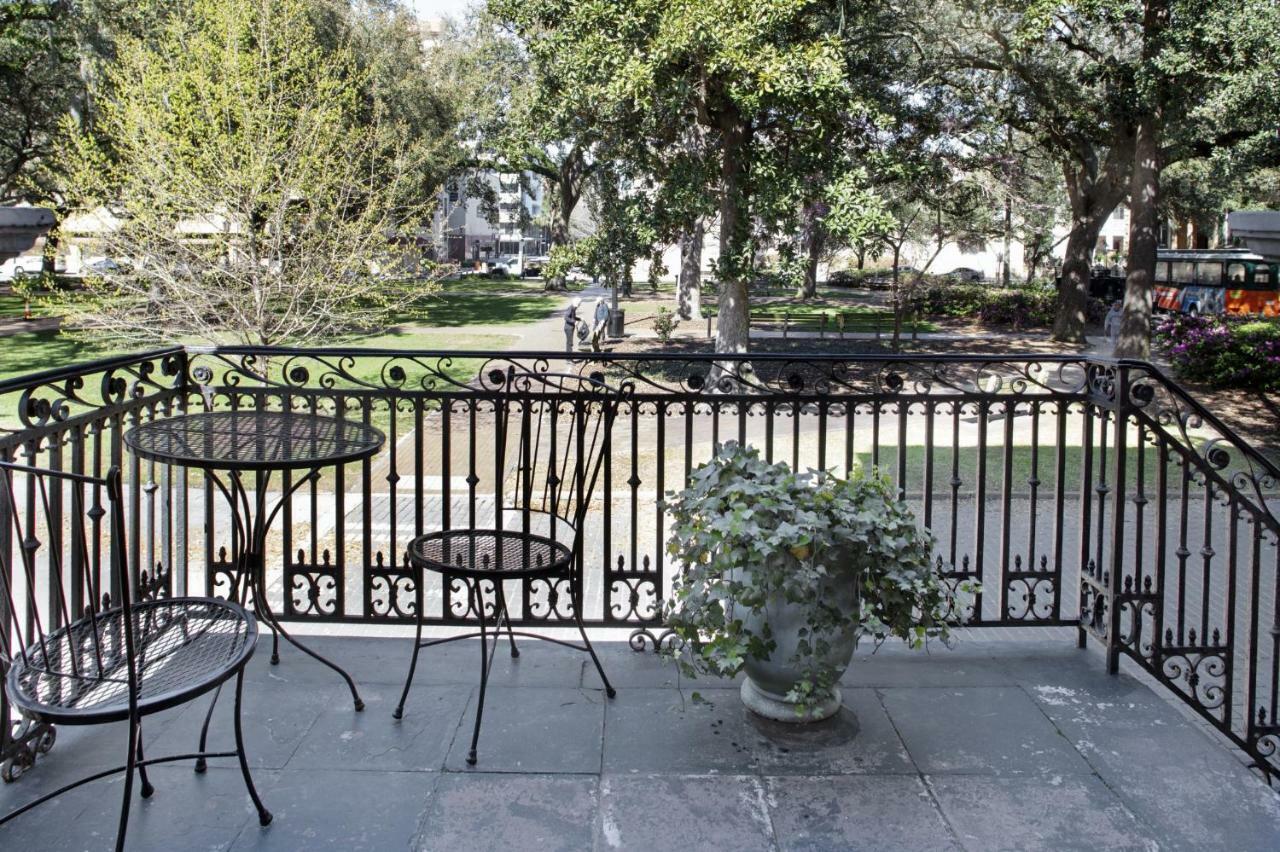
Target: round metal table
[(226, 445)]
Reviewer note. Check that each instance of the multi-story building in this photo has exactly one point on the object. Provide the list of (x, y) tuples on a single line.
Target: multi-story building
[(468, 230)]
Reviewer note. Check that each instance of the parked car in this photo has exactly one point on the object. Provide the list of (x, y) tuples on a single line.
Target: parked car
[(964, 273), (103, 265), (23, 264), (534, 265), (504, 265)]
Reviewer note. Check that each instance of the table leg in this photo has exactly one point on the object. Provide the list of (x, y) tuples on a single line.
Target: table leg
[(255, 572)]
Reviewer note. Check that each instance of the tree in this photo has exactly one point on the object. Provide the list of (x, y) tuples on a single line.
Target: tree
[(258, 190), (1066, 82), (1205, 81), (768, 82), (37, 83)]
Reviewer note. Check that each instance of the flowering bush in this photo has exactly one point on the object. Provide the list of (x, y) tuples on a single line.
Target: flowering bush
[(1223, 351)]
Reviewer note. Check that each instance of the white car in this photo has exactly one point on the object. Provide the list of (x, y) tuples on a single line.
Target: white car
[(23, 264)]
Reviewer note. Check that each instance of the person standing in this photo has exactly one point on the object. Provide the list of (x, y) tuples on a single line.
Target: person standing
[(571, 323), (1111, 322), (600, 321)]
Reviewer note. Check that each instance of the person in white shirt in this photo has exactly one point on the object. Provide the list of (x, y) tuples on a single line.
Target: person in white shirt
[(1111, 323)]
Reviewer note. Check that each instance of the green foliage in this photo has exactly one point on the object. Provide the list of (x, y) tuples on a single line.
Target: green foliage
[(37, 85), (1224, 352), (664, 324), (1018, 307), (259, 180), (745, 531)]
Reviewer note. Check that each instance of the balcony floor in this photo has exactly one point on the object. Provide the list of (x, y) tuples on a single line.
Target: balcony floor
[(995, 744)]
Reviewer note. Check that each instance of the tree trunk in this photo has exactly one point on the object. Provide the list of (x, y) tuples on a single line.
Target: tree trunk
[(1090, 207), (1144, 194), (689, 289), (897, 298), (733, 318), (568, 189), (1135, 324), (811, 242)]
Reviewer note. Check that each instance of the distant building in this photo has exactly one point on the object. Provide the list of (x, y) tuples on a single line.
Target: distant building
[(466, 231)]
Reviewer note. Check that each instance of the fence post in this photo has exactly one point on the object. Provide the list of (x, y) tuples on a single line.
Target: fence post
[(1115, 571)]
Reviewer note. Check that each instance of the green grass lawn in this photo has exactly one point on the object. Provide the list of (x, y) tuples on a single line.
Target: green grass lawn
[(11, 305), (34, 351), (453, 310)]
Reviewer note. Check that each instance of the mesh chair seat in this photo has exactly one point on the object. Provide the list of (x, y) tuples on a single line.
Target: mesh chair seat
[(183, 646)]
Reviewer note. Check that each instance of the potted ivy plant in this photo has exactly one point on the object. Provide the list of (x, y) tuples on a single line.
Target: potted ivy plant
[(783, 573)]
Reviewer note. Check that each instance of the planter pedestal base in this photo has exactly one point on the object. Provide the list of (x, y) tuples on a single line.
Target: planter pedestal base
[(772, 706)]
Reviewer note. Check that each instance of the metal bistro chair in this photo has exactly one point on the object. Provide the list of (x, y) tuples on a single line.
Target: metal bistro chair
[(555, 476), (92, 654)]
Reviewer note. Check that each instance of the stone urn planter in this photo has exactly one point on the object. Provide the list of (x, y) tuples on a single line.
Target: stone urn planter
[(780, 573), (769, 681)]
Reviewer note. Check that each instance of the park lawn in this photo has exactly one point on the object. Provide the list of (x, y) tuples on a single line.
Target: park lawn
[(12, 305), (454, 310), (35, 351)]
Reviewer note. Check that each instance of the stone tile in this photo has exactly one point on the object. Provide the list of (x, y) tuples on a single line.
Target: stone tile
[(665, 813), (665, 731), (939, 667), (864, 812), (373, 740), (187, 811), (860, 738), (275, 719), (1189, 789), (631, 669), (1113, 703), (979, 729), (482, 812), (1060, 812), (320, 809), (386, 661), (533, 730)]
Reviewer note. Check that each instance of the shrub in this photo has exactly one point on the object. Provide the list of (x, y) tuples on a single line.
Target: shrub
[(1019, 307), (664, 324), (1027, 307), (1226, 352)]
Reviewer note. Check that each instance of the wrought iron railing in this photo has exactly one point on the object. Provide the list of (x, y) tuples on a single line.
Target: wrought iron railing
[(1076, 491)]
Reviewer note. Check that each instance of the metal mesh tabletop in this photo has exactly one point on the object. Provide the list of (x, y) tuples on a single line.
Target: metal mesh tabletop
[(488, 553), (182, 646), (254, 440)]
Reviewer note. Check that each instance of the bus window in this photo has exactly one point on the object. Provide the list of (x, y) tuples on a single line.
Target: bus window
[(1208, 274), (1235, 275), (1262, 279), (1183, 272), (1162, 272)]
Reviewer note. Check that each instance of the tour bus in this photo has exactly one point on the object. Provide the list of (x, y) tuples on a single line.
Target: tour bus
[(1207, 281)]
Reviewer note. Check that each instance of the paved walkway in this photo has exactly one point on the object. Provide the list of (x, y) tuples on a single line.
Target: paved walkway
[(995, 745)]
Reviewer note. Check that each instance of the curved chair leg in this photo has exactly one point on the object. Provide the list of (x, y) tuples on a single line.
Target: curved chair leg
[(398, 713), (134, 742), (147, 789), (506, 614), (484, 671), (264, 815), (576, 601), (204, 729)]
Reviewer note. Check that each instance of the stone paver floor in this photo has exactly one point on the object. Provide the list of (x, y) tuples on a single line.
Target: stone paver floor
[(995, 745)]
